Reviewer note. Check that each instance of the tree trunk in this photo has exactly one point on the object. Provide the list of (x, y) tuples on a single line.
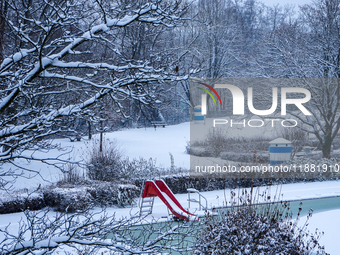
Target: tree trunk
[(3, 14), (2, 30), (101, 142), (326, 146), (101, 137), (90, 134)]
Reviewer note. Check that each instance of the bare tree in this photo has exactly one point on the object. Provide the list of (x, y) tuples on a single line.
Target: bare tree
[(218, 38), (65, 57), (58, 72), (309, 49), (3, 14)]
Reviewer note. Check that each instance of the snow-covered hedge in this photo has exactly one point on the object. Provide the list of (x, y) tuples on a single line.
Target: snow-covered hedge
[(71, 198), (68, 199), (107, 194), (180, 184), (74, 198), (317, 161), (316, 168), (21, 202), (262, 157)]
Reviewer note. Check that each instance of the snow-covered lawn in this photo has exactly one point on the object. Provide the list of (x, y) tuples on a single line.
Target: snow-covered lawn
[(134, 143)]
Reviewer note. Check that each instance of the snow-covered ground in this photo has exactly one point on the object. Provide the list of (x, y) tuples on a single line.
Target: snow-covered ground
[(158, 144), (148, 143), (326, 221), (134, 143), (329, 223)]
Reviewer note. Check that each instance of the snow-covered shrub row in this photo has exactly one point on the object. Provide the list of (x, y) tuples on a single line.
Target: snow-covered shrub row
[(218, 144), (200, 151), (244, 156), (71, 198), (318, 161), (243, 231), (21, 202), (262, 157), (67, 199), (316, 168), (107, 194), (218, 140), (75, 198), (180, 184)]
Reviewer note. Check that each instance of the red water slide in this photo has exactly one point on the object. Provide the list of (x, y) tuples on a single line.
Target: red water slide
[(160, 189)]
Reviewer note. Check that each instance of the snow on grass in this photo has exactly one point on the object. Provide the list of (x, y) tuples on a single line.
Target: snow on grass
[(135, 143)]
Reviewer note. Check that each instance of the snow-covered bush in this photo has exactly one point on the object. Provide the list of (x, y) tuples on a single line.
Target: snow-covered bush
[(246, 232), (249, 228), (108, 194), (110, 165), (317, 168), (103, 160), (187, 147), (201, 151), (71, 175), (216, 141), (318, 161), (138, 169)]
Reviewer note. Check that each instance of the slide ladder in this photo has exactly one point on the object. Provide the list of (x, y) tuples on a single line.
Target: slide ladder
[(146, 205), (160, 189)]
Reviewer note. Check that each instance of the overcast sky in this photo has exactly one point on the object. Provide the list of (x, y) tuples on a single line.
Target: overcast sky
[(283, 2)]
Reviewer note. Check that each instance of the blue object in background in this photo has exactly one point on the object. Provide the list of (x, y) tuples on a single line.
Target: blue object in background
[(280, 151), (199, 118)]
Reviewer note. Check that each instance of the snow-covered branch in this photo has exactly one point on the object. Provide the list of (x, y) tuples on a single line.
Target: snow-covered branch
[(44, 231), (77, 59)]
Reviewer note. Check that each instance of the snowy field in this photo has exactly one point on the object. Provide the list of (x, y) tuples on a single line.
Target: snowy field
[(134, 143), (158, 144), (148, 143)]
